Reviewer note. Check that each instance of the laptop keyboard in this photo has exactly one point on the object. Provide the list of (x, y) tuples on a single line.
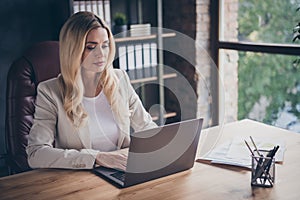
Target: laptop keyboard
[(119, 175)]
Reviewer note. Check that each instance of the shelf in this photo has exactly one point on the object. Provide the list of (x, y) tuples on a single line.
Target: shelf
[(152, 78), (142, 38), (167, 115), (148, 74)]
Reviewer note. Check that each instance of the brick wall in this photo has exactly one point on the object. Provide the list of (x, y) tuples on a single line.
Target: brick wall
[(203, 60), (228, 62), (192, 18)]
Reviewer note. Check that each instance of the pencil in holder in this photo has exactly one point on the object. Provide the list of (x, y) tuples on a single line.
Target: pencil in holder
[(263, 170)]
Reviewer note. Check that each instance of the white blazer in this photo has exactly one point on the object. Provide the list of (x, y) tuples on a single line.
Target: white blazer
[(54, 142)]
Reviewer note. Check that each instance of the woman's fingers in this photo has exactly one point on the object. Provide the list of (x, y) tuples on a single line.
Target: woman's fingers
[(115, 159)]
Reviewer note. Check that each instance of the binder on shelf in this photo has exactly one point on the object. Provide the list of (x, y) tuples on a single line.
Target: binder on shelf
[(139, 60), (100, 7)]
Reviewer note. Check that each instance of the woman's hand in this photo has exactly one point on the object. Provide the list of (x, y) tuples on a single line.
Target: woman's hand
[(114, 159)]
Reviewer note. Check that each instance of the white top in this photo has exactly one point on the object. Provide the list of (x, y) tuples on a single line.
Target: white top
[(102, 125)]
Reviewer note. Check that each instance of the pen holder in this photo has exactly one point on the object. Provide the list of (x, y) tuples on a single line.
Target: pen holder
[(263, 170)]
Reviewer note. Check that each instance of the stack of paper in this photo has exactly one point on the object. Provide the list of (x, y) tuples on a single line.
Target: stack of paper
[(140, 29), (235, 152)]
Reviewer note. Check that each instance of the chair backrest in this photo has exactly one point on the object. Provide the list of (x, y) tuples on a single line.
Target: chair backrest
[(39, 63)]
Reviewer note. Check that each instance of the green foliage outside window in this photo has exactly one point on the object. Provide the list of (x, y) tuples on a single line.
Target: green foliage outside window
[(270, 75)]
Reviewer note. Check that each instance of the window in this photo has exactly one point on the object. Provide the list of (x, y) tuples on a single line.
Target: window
[(256, 36)]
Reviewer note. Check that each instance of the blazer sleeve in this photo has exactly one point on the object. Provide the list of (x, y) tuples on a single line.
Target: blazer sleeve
[(40, 150), (140, 119)]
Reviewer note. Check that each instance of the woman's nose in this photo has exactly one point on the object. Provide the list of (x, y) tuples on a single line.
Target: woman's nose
[(98, 51)]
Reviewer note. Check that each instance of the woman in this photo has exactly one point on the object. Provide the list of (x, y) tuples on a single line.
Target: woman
[(83, 116)]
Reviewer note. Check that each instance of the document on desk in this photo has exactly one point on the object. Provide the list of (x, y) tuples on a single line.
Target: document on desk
[(235, 152)]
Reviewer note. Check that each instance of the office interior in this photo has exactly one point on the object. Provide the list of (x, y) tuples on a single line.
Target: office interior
[(209, 64)]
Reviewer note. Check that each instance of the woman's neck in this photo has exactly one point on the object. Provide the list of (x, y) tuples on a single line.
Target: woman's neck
[(91, 83)]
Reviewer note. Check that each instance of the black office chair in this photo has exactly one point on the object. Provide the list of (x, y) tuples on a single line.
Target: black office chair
[(39, 63)]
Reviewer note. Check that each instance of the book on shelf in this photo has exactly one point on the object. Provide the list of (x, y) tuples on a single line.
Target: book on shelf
[(140, 30)]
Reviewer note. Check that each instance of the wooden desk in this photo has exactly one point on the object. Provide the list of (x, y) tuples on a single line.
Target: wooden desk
[(202, 182)]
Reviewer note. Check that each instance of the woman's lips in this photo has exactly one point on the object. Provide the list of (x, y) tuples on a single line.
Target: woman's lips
[(101, 63)]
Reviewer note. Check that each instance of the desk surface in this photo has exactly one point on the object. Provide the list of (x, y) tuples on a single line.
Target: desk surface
[(202, 181)]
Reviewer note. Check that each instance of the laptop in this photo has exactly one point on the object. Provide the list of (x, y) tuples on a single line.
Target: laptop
[(156, 153)]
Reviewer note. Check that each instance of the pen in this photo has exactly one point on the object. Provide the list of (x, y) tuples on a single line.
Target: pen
[(255, 146), (251, 151), (249, 148), (268, 166), (260, 160), (273, 152)]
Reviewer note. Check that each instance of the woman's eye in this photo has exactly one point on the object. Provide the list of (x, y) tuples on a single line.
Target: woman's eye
[(90, 47), (105, 46)]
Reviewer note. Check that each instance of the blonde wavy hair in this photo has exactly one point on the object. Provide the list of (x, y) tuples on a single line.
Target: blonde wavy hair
[(72, 41)]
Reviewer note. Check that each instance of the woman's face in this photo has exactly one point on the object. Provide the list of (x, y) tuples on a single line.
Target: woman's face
[(96, 50)]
